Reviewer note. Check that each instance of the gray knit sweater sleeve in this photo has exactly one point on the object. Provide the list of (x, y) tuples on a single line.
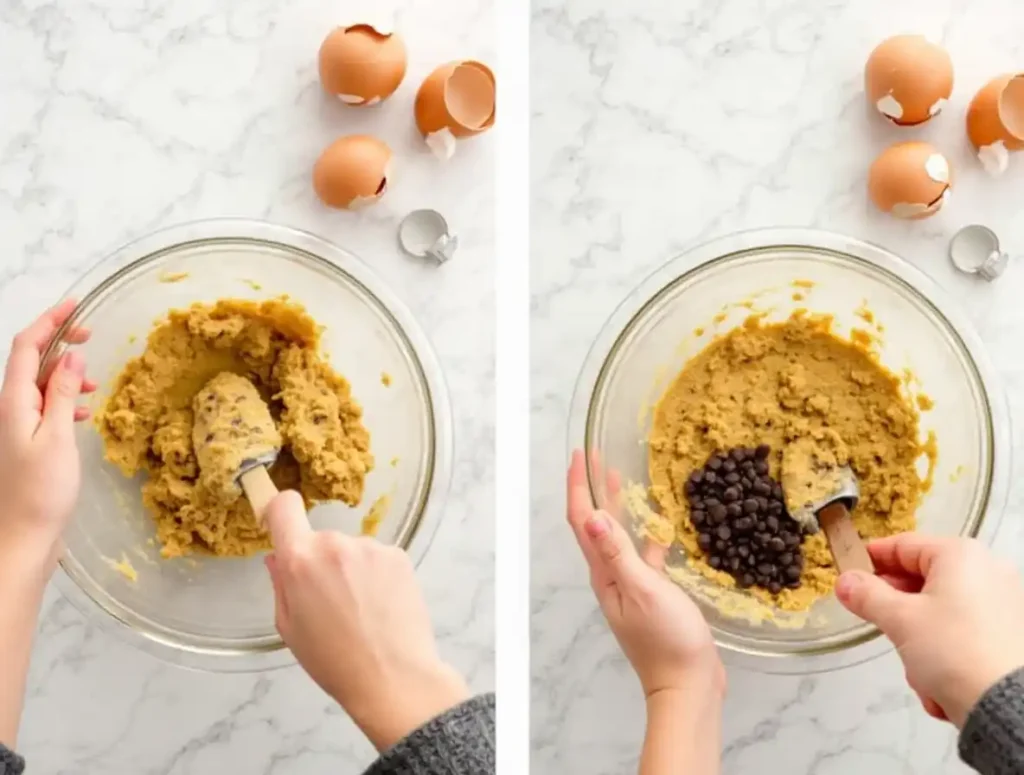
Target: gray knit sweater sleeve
[(992, 740), (10, 762), (458, 742)]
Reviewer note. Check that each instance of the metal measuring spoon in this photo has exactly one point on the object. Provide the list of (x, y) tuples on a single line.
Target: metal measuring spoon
[(425, 234), (975, 250)]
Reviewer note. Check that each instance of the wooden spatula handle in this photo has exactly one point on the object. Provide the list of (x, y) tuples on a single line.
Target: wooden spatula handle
[(844, 540), (259, 489)]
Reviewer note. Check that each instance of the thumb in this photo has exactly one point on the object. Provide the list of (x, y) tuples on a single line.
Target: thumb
[(615, 550), (62, 391), (281, 617), (873, 600), (286, 520)]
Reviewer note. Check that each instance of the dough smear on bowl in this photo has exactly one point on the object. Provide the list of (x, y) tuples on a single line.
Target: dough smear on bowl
[(147, 422), (785, 384)]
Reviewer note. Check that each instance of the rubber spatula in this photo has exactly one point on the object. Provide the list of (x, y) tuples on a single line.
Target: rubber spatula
[(835, 493), (235, 440)]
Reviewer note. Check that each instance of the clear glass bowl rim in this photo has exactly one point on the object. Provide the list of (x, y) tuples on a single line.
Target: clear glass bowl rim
[(693, 259), (419, 527)]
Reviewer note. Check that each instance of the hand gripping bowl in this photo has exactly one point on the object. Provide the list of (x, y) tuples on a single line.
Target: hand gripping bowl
[(218, 613), (655, 331)]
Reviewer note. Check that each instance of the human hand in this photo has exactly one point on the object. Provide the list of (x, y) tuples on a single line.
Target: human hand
[(352, 613), (660, 629), (39, 466), (954, 612)]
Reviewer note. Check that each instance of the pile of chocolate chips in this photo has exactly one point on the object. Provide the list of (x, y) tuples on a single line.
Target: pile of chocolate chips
[(741, 520)]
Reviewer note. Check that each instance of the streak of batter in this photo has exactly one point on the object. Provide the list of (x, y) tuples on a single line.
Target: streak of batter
[(788, 384), (147, 422)]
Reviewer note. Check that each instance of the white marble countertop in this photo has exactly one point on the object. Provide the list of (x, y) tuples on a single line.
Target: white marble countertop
[(119, 117), (658, 124)]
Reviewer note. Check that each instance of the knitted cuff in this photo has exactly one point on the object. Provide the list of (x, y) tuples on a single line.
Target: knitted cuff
[(10, 762), (992, 740), (458, 741)]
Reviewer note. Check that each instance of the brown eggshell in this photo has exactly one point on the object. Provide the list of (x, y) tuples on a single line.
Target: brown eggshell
[(908, 79), (352, 172), (910, 180), (360, 65), (996, 115), (457, 100)]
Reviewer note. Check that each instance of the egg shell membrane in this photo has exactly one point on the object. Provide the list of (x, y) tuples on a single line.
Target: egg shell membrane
[(997, 113), (914, 71), (358, 61), (449, 99)]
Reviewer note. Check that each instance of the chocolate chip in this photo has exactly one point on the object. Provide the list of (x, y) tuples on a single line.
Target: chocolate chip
[(741, 525)]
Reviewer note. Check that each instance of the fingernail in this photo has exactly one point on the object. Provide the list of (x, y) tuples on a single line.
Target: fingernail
[(74, 362), (597, 526)]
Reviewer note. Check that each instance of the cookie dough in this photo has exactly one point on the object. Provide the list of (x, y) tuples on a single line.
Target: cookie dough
[(812, 471), (787, 385), (147, 423), (233, 425)]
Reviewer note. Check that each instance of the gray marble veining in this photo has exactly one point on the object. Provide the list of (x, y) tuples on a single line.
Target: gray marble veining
[(656, 125), (121, 116)]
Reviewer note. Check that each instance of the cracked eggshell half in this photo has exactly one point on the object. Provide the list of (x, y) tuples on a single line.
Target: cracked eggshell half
[(908, 79), (910, 180), (995, 121), (361, 65), (456, 100), (352, 172)]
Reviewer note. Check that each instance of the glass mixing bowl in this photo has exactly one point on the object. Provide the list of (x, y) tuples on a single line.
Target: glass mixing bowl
[(217, 613), (658, 328)]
